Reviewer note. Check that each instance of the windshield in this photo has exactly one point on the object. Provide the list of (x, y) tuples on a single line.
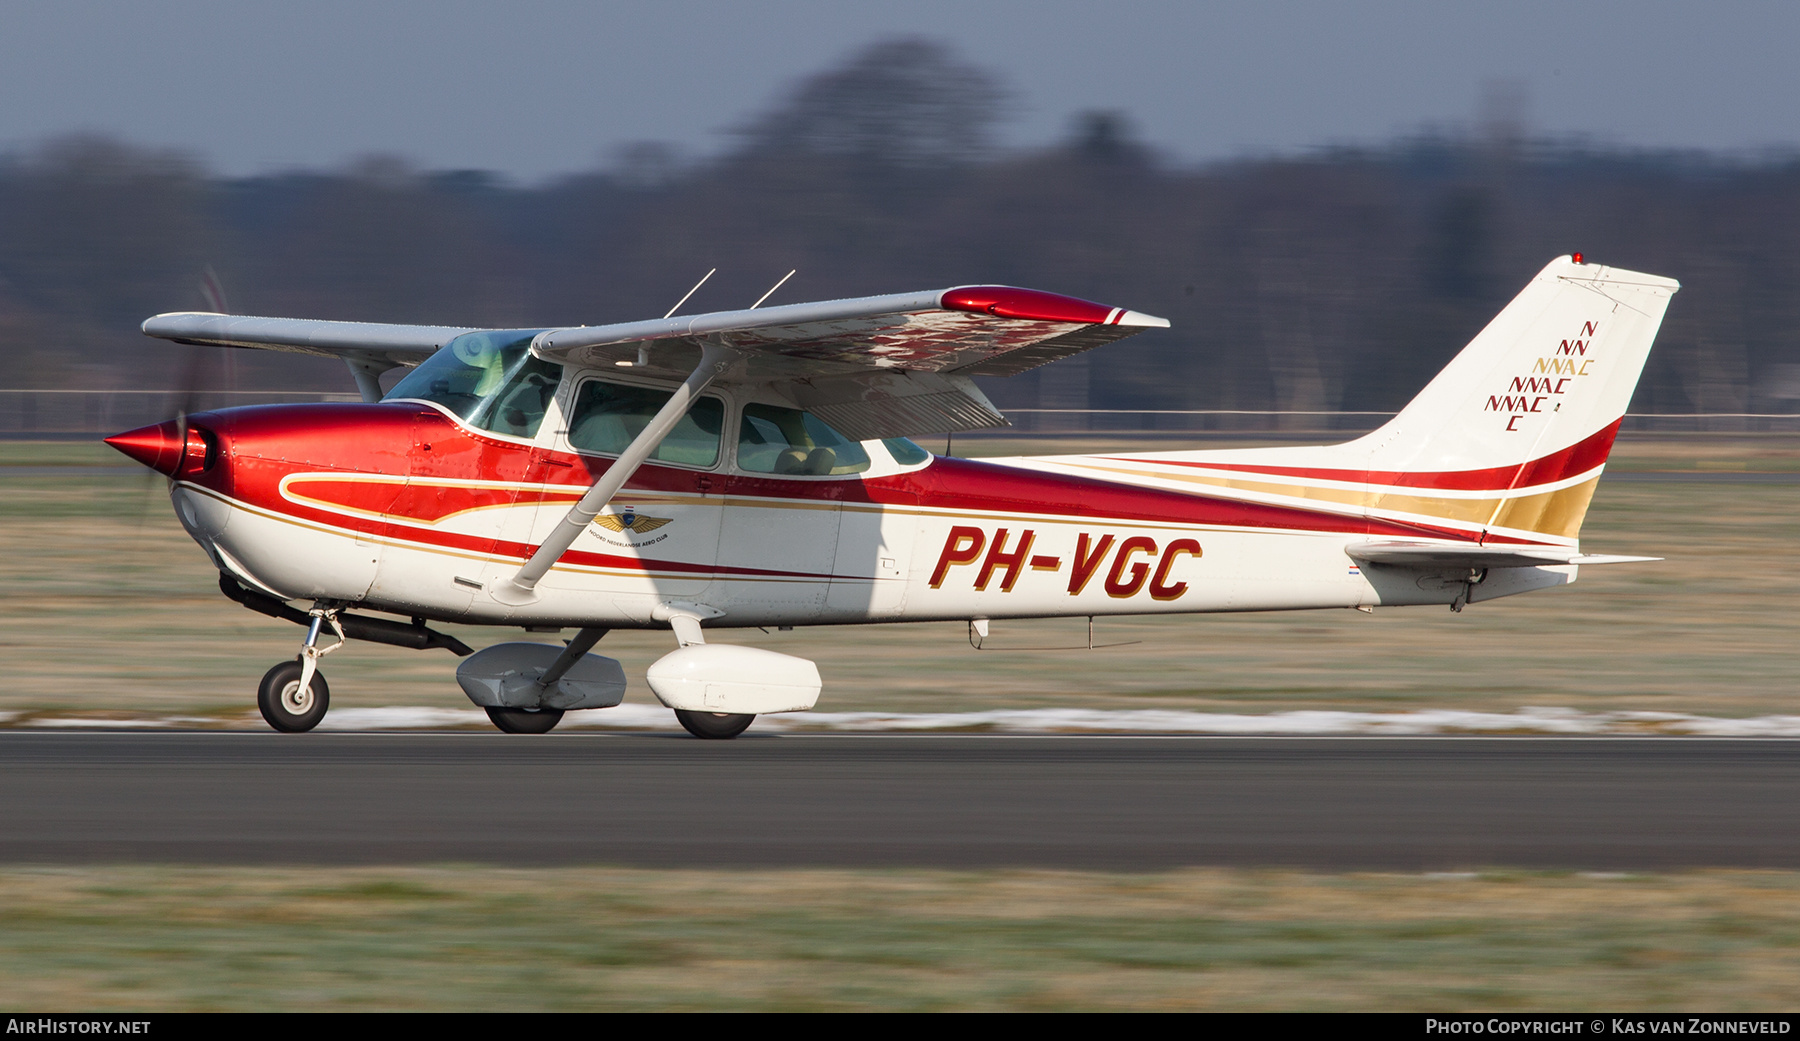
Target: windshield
[(489, 379)]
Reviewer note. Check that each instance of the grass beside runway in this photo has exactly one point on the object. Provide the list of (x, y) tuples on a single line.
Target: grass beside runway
[(441, 939)]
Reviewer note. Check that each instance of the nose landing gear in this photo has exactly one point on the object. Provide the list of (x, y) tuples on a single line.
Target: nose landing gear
[(287, 705), (293, 696)]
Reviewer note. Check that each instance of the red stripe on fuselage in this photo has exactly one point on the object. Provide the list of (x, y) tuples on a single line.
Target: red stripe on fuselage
[(969, 484), (268, 443), (427, 503), (1577, 459)]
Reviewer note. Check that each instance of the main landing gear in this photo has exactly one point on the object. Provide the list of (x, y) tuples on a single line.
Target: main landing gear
[(714, 726), (525, 720)]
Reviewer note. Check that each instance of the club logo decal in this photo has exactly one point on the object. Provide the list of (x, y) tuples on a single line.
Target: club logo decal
[(629, 523)]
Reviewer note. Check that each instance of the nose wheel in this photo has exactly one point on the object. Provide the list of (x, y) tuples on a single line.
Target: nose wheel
[(288, 706)]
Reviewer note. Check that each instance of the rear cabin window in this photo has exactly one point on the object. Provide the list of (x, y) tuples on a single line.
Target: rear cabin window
[(608, 415), (904, 451), (489, 379), (776, 440)]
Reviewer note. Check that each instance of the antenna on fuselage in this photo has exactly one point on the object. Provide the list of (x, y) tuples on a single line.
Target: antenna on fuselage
[(691, 292), (772, 289)]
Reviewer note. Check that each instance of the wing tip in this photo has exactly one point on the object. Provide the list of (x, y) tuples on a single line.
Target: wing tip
[(1036, 305)]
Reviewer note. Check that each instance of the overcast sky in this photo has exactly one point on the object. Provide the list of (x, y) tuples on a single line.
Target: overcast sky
[(533, 89)]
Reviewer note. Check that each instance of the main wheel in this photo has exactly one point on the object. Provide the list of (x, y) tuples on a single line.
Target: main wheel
[(526, 720), (288, 708), (714, 726)]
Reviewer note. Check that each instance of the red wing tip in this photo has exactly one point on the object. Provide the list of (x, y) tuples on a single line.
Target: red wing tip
[(1034, 305)]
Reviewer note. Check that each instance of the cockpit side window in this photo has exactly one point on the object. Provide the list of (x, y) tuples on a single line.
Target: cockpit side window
[(776, 440), (489, 379), (608, 415)]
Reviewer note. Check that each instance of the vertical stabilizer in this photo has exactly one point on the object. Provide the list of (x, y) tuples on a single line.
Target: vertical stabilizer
[(1554, 369), (1506, 444), (1529, 409)]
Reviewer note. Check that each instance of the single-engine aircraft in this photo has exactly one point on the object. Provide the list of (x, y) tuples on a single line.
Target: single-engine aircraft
[(752, 468)]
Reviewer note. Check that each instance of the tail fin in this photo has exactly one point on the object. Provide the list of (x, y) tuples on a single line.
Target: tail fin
[(1504, 446), (1528, 411)]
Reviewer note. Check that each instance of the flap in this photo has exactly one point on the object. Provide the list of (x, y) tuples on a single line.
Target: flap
[(896, 404)]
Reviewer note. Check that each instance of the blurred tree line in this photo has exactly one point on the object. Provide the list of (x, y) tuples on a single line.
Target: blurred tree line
[(1336, 280)]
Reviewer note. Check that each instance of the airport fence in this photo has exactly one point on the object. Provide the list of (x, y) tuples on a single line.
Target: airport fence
[(56, 414), (70, 414)]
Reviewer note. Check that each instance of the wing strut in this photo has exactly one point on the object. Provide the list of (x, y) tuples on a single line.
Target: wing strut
[(521, 589), (366, 371)]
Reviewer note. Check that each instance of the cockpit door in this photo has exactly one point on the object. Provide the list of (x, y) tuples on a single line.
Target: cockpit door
[(778, 547), (656, 542)]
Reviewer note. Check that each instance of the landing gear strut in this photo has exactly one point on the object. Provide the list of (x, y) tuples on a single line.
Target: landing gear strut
[(293, 696)]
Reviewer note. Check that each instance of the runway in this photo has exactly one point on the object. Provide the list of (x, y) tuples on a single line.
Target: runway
[(1112, 803)]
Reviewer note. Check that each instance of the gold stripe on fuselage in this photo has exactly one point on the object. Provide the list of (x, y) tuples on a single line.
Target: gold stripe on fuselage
[(1557, 513)]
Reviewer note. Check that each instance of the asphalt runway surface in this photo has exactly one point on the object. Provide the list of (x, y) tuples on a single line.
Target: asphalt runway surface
[(1090, 802)]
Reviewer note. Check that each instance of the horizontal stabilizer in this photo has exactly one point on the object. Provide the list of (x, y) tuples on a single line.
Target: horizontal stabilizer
[(1437, 555)]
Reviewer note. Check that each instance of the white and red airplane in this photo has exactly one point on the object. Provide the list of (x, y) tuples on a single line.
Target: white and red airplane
[(750, 468)]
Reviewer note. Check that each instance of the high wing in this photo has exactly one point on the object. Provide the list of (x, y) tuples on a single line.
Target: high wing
[(971, 330), (1439, 555), (399, 344), (879, 366), (368, 348)]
